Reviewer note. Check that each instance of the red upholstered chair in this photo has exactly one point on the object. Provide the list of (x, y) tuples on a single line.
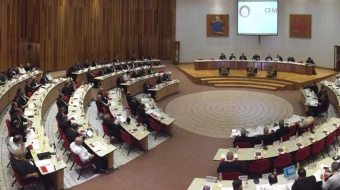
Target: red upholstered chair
[(311, 126), (106, 131), (8, 124), (242, 145), (200, 59), (230, 176), (157, 127), (29, 94), (127, 139), (302, 154), (76, 86), (282, 161), (76, 160), (61, 133), (329, 140), (317, 147), (286, 137), (66, 98), (292, 130), (67, 147), (10, 156), (22, 183), (105, 111), (258, 166), (337, 135), (140, 119)]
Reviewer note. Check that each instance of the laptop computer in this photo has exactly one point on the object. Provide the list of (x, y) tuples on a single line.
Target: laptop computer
[(290, 173), (89, 133)]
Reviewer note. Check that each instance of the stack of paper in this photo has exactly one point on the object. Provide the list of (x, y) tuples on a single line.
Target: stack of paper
[(97, 146)]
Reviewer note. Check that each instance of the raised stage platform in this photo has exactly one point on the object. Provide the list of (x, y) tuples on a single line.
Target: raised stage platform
[(238, 78)]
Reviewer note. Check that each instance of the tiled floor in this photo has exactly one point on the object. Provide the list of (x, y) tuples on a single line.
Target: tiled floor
[(70, 177), (215, 113)]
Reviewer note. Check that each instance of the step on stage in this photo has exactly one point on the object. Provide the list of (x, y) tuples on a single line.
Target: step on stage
[(238, 78)]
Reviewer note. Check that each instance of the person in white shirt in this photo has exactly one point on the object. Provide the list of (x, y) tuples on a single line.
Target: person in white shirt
[(332, 182), (126, 76), (272, 178), (22, 70), (337, 81), (84, 155), (15, 143)]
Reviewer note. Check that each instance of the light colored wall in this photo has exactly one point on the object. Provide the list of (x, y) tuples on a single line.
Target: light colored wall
[(191, 31)]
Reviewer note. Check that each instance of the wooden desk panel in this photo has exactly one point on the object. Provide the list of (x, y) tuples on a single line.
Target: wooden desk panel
[(173, 88)]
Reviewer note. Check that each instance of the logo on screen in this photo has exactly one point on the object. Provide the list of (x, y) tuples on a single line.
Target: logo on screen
[(244, 11)]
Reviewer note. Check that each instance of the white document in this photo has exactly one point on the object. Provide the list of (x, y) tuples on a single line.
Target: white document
[(35, 144), (50, 168), (97, 146), (43, 162)]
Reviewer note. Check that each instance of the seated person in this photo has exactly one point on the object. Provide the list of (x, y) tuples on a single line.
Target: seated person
[(28, 67), (13, 109), (146, 87), (271, 73), (243, 57), (134, 75), (112, 127), (34, 83), (242, 138), (282, 131), (314, 88), (28, 87), (159, 80), (10, 74), (150, 57), (94, 63), (332, 182), (251, 72), (303, 182), (272, 179), (134, 104), (65, 124), (131, 65), (151, 71), (321, 92), (18, 116), (266, 138), (61, 113), (129, 97), (145, 117), (305, 123), (165, 77), (68, 89), (17, 129), (256, 57), (116, 59), (126, 77), (124, 66), (78, 67), (3, 78), (119, 82), (142, 57), (90, 77), (278, 58), (72, 133), (26, 170), (102, 72), (141, 72), (133, 57), (104, 61), (44, 79), (223, 57), (70, 73), (104, 95), (237, 184), (232, 57), (100, 104), (337, 81), (309, 61), (85, 156), (19, 104), (269, 58), (22, 70), (229, 165), (290, 59), (61, 102), (110, 69), (15, 143)]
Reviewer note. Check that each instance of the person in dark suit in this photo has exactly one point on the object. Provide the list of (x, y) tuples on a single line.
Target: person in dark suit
[(61, 102), (142, 72), (90, 78), (229, 165), (134, 75), (256, 57), (145, 117), (119, 81), (28, 87), (243, 57), (112, 127), (278, 58), (269, 58), (223, 57), (159, 80), (70, 73), (267, 138), (18, 129), (28, 67), (116, 59), (129, 97), (146, 87), (309, 60), (13, 109), (242, 138), (104, 61), (72, 133), (100, 104), (94, 63), (78, 67), (61, 113), (323, 103), (321, 92), (102, 72), (291, 59), (104, 95), (232, 57), (165, 77), (134, 104), (142, 57), (34, 83), (44, 80), (21, 98), (282, 131), (68, 89), (18, 116), (314, 87), (303, 182), (86, 64), (150, 57), (133, 57), (65, 124), (9, 74)]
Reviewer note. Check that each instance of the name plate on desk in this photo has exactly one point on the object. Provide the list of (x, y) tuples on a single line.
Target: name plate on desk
[(276, 143), (243, 177), (292, 138), (233, 150), (258, 146), (211, 179)]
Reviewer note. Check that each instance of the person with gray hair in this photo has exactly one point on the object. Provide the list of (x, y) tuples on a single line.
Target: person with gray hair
[(332, 182), (242, 138), (282, 131), (267, 138)]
